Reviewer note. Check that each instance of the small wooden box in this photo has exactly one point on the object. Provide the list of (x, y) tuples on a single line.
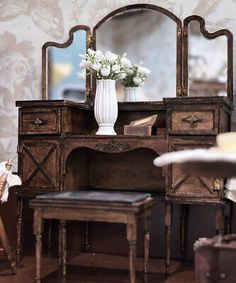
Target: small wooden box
[(137, 130)]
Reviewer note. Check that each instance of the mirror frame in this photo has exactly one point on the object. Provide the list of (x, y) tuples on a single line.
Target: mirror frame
[(64, 45), (210, 36), (178, 39)]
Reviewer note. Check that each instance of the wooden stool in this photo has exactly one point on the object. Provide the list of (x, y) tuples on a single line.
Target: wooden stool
[(7, 248), (113, 207)]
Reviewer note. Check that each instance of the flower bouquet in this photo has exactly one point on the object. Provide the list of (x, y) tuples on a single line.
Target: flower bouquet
[(107, 68), (133, 81)]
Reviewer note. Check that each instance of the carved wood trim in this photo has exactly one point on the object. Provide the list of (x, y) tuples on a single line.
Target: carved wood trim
[(112, 146)]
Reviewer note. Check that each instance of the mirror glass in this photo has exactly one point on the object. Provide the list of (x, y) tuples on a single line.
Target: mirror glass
[(207, 63), (146, 36), (64, 72)]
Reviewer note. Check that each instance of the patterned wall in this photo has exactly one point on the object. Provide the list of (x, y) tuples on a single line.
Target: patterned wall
[(26, 24)]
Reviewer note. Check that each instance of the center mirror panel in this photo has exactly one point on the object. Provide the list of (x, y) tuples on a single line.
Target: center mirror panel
[(149, 38)]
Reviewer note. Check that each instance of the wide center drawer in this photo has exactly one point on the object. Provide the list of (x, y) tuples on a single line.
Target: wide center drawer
[(198, 122), (45, 121)]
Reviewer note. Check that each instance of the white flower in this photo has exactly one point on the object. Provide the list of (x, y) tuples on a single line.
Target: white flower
[(99, 55), (111, 56), (125, 62), (83, 64), (91, 52), (143, 70), (96, 66), (116, 69), (105, 71), (137, 80), (122, 76)]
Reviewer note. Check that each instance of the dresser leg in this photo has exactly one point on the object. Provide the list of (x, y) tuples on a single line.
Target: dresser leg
[(49, 235), (228, 219), (63, 246), (146, 242), (87, 245), (19, 228), (183, 230), (38, 222), (168, 224), (131, 237), (219, 220)]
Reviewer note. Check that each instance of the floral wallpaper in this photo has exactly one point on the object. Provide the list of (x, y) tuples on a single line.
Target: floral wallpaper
[(25, 25)]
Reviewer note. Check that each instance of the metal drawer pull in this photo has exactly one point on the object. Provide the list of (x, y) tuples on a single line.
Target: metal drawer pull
[(38, 122), (193, 120)]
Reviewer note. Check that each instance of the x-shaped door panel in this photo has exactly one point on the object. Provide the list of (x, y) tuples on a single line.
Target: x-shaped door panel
[(40, 163)]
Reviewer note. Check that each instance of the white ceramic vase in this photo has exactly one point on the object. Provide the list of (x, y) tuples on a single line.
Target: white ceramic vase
[(106, 107), (132, 94)]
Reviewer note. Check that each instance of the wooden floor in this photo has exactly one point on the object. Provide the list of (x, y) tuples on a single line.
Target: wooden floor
[(81, 269)]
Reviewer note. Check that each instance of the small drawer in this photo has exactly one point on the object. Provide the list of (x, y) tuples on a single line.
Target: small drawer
[(44, 121), (199, 122)]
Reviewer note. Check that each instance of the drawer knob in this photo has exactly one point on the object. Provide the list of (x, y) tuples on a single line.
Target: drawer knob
[(38, 122), (193, 120)]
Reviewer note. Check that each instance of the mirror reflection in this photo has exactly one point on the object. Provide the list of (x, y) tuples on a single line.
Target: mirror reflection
[(207, 63), (146, 36), (64, 72)]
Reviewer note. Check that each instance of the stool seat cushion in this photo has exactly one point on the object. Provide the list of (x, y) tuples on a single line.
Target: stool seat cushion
[(97, 196)]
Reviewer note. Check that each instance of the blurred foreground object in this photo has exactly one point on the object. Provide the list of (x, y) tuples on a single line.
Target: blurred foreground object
[(215, 259), (216, 162)]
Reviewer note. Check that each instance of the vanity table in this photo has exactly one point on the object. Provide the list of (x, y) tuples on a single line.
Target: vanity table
[(59, 151)]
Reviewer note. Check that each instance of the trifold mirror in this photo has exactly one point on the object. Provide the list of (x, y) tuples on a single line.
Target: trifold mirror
[(184, 59)]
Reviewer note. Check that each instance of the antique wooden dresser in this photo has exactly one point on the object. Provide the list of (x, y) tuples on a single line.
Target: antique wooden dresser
[(58, 149)]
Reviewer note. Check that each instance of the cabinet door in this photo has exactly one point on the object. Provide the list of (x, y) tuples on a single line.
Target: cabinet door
[(180, 185), (39, 162)]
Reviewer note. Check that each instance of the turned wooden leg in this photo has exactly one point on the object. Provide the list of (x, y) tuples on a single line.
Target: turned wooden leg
[(7, 247), (38, 222), (183, 230), (49, 234), (219, 220), (168, 224), (146, 241), (87, 244), (63, 246), (228, 219), (131, 237), (19, 229)]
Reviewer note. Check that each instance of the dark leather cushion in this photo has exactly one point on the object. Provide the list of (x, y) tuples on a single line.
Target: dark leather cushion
[(100, 196)]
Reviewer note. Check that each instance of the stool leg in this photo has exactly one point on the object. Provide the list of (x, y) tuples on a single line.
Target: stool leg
[(168, 224), (7, 247), (38, 222), (19, 228), (183, 230), (146, 241), (131, 237), (219, 220), (63, 246)]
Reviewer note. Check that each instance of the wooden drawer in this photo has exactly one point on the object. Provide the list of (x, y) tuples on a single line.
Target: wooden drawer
[(191, 122), (43, 121)]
